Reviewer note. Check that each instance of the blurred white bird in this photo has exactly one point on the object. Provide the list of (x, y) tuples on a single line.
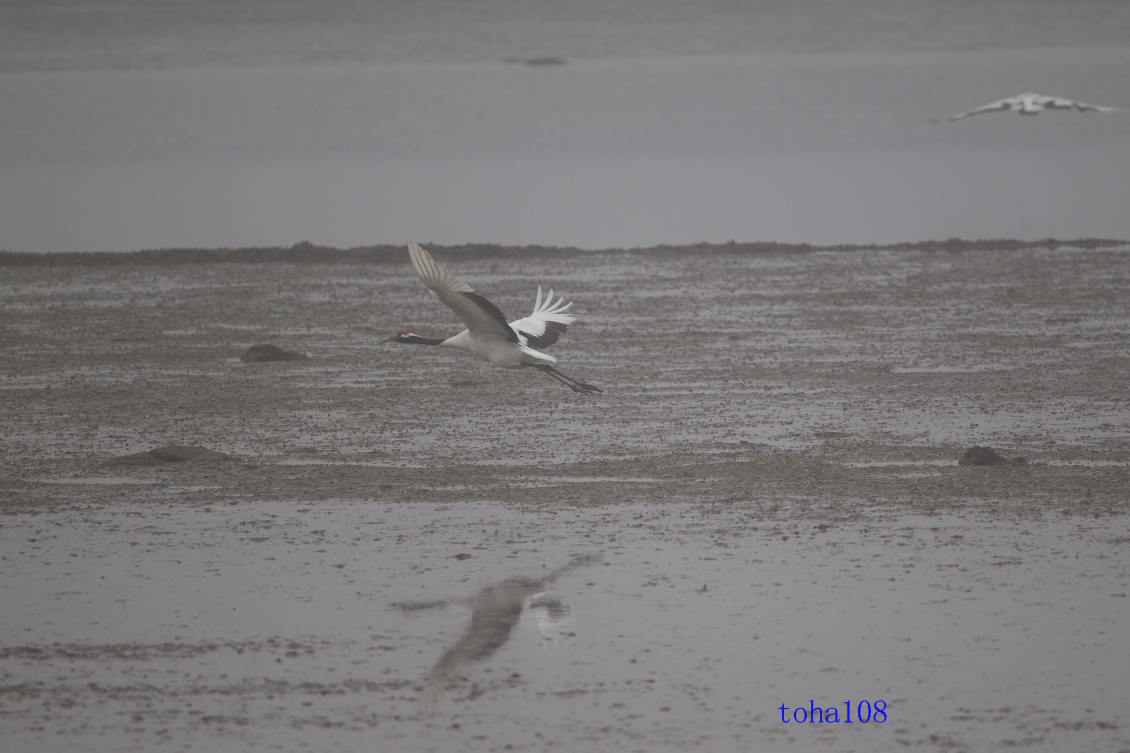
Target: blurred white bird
[(1032, 103), (489, 336)]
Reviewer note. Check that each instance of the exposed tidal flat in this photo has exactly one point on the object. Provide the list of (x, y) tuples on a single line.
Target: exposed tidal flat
[(766, 497)]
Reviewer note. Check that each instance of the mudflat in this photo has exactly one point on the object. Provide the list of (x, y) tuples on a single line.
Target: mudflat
[(754, 400)]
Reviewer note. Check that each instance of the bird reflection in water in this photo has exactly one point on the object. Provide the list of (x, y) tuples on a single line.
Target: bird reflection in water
[(495, 610)]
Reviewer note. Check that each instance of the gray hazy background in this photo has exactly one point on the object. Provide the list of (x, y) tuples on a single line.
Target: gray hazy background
[(129, 125)]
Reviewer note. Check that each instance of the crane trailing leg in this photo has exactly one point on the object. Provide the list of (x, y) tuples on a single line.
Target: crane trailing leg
[(568, 381)]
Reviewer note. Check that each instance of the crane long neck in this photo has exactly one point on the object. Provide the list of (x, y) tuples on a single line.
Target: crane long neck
[(417, 340)]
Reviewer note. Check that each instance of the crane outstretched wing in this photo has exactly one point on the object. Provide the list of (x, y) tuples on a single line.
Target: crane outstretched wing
[(546, 324), (1083, 106), (1003, 104), (482, 317)]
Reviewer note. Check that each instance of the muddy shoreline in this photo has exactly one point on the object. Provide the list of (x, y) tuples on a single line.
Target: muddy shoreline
[(309, 253)]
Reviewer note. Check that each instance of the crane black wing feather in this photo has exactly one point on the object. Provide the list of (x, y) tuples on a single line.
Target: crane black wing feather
[(548, 321), (553, 332), (493, 311)]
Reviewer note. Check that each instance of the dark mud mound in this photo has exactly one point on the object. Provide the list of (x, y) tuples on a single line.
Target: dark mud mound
[(978, 455), (267, 352), (171, 454)]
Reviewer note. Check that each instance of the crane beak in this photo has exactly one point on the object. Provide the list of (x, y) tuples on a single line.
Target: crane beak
[(387, 339)]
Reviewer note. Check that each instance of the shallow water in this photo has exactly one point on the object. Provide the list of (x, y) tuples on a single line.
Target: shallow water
[(197, 133), (270, 624)]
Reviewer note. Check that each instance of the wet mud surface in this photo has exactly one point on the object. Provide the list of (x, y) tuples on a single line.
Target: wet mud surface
[(770, 480)]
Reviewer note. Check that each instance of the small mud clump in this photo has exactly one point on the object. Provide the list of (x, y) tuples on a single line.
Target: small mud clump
[(543, 62), (978, 455), (171, 454), (269, 352)]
